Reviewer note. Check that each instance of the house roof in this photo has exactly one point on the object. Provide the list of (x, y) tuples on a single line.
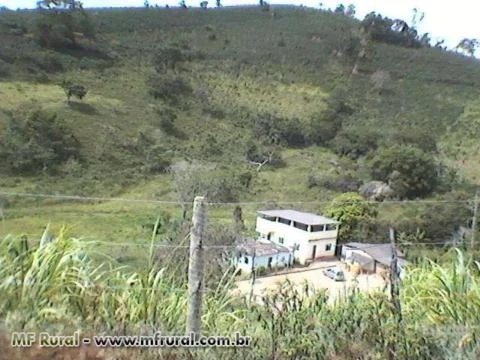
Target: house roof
[(298, 216), (362, 259), (380, 252), (261, 248)]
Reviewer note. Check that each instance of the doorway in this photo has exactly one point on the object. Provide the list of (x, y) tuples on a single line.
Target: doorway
[(314, 252)]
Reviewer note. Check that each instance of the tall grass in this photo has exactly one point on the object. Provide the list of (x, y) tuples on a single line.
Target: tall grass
[(54, 283)]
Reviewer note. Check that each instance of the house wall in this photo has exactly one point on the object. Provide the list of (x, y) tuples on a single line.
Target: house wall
[(280, 260), (304, 240), (305, 250), (370, 266)]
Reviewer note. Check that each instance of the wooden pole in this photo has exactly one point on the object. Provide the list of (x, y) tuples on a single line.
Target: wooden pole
[(474, 221), (394, 289), (254, 272), (196, 266), (395, 297)]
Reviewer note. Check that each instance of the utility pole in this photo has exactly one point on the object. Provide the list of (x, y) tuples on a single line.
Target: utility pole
[(395, 293), (195, 267), (394, 287), (254, 275), (474, 220)]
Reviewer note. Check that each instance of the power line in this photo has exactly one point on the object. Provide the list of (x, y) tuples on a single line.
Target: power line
[(226, 246), (90, 198), (264, 202)]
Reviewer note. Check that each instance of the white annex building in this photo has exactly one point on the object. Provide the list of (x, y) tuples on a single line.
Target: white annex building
[(310, 236)]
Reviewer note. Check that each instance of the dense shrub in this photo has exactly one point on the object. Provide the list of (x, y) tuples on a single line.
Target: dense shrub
[(409, 171), (325, 126), (263, 153), (169, 88), (47, 61), (322, 128), (395, 32), (157, 159), (167, 121), (167, 58), (60, 29), (355, 142), (71, 89), (357, 217), (37, 142), (421, 138), (335, 182)]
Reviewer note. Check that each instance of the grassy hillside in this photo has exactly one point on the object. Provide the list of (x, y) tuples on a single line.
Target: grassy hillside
[(226, 87)]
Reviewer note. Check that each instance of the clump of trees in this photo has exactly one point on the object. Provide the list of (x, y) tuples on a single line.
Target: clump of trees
[(357, 217), (61, 23), (393, 31), (36, 141), (409, 171)]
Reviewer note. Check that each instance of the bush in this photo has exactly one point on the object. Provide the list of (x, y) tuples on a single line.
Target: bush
[(334, 182), (418, 137), (261, 270), (47, 61), (37, 142), (167, 121), (169, 89), (259, 153), (409, 171), (354, 142), (158, 160), (322, 128), (381, 29), (167, 58), (76, 90)]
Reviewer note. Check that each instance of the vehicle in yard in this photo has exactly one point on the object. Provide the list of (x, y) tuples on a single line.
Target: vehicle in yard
[(334, 273)]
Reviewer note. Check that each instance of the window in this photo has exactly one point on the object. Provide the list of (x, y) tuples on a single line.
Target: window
[(315, 228), (284, 221), (328, 247), (300, 226), (281, 240), (331, 227), (245, 260)]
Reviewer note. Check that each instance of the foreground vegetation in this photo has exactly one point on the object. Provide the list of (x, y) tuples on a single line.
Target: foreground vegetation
[(55, 285)]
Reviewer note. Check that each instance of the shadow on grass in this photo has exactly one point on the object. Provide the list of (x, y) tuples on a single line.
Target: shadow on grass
[(83, 108)]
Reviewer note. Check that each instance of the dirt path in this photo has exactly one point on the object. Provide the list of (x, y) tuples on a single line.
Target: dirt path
[(314, 276)]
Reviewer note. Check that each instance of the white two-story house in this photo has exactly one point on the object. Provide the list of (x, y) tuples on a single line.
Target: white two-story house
[(310, 236)]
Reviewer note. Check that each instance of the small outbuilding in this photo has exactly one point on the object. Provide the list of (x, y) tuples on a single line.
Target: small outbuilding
[(255, 254), (372, 258)]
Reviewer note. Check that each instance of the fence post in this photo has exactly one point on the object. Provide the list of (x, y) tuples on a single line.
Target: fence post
[(196, 266), (474, 221), (395, 298), (394, 289)]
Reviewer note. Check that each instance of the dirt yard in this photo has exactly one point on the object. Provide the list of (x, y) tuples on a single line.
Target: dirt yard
[(314, 275)]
